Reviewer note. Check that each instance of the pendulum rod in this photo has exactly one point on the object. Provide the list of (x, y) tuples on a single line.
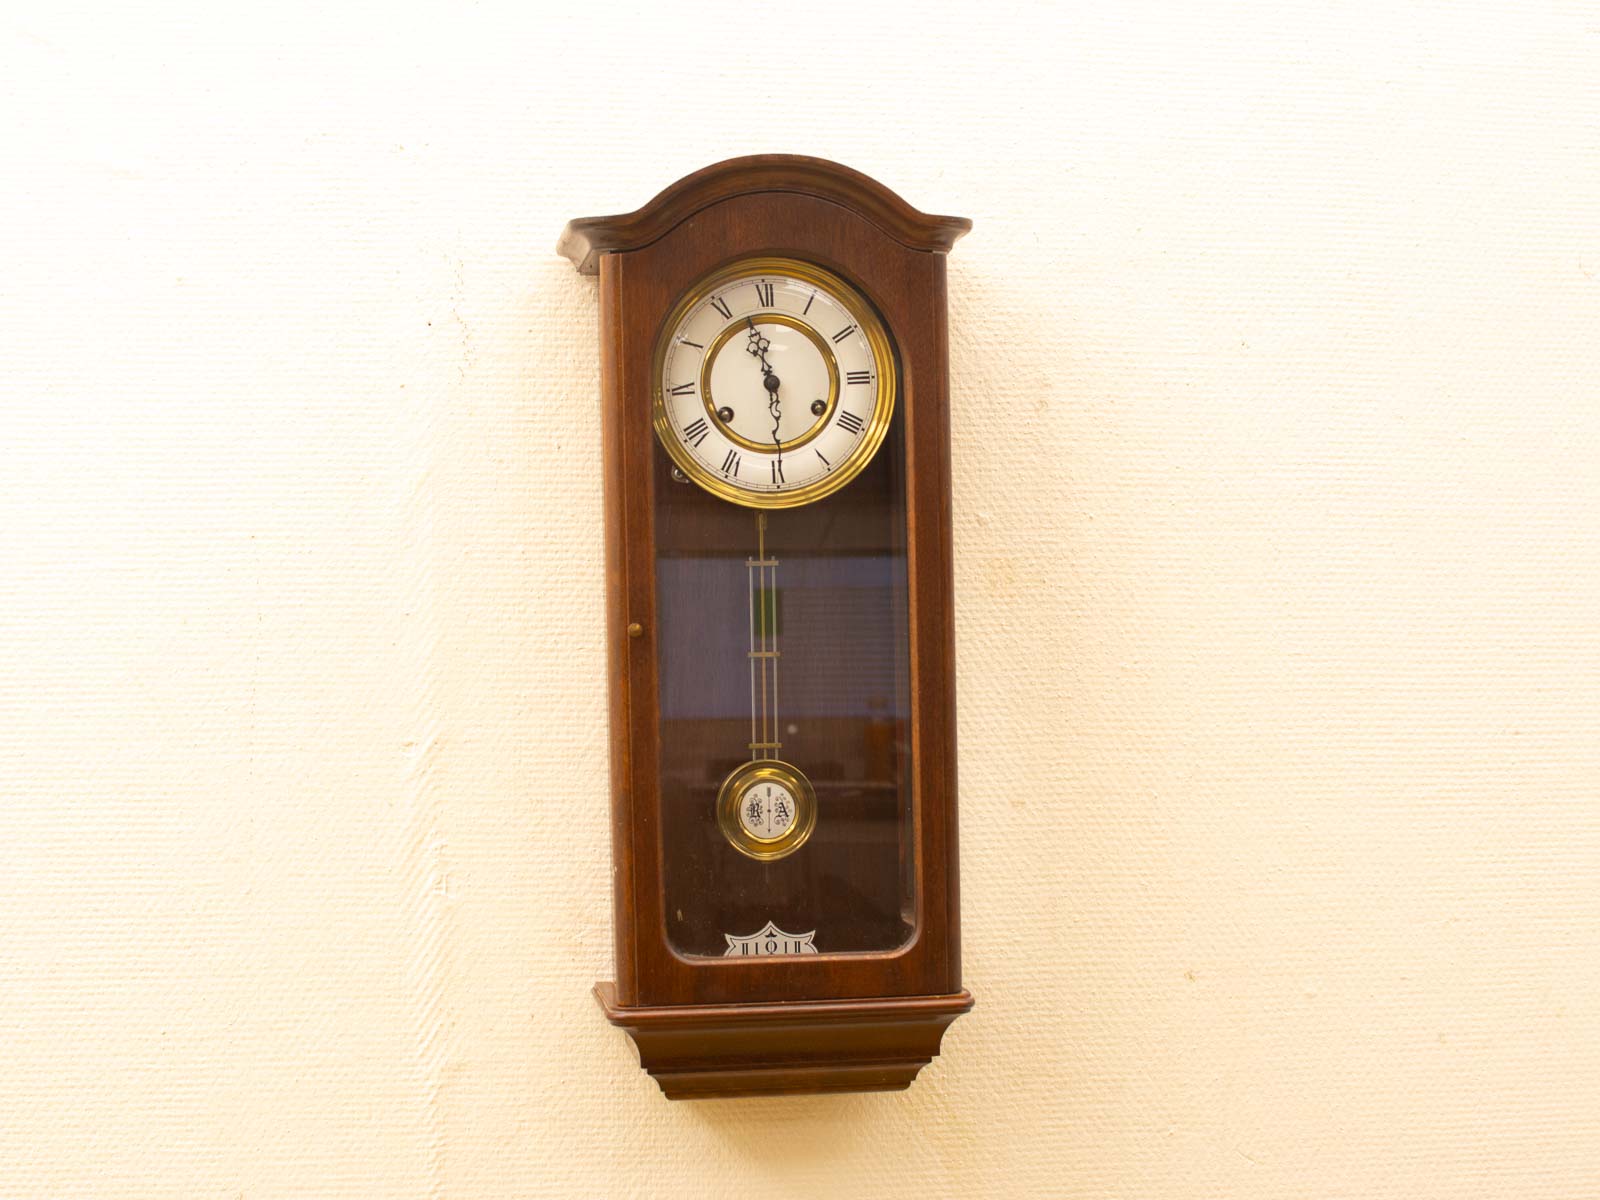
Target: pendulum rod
[(763, 577)]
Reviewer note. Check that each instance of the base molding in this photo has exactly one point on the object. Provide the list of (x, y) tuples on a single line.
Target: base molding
[(703, 1051)]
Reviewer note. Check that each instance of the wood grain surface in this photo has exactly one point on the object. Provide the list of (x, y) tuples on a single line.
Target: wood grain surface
[(813, 210)]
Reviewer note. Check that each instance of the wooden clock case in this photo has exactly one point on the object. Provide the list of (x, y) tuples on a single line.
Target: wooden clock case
[(709, 1027)]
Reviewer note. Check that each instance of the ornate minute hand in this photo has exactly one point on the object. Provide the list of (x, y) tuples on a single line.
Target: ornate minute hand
[(758, 346)]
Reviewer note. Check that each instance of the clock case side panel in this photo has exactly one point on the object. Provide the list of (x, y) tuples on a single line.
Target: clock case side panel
[(624, 512), (931, 519), (908, 288)]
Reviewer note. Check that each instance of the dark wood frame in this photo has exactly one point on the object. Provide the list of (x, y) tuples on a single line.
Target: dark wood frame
[(708, 1027)]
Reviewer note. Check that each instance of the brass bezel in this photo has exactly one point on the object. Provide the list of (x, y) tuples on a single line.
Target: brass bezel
[(848, 298), (788, 776), (812, 336)]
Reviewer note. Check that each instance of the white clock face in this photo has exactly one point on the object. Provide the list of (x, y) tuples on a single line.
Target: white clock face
[(775, 384)]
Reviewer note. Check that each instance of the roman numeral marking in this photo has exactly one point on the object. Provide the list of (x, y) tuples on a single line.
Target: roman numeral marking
[(764, 294), (718, 304), (777, 472), (696, 433), (730, 465), (807, 308), (683, 389), (851, 422), (844, 333), (858, 377), (824, 458)]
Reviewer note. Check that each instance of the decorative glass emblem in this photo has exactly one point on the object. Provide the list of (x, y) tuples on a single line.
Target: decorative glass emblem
[(769, 941)]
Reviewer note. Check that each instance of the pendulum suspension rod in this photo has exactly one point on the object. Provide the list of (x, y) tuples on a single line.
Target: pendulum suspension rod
[(762, 573)]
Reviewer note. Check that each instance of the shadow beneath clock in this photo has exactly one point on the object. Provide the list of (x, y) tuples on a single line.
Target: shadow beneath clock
[(781, 1135)]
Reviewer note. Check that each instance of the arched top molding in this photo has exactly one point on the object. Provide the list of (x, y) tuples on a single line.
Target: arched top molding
[(585, 239)]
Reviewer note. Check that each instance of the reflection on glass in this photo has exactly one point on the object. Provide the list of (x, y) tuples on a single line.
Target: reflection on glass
[(834, 607)]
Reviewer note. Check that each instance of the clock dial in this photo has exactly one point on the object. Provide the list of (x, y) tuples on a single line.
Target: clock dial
[(774, 385)]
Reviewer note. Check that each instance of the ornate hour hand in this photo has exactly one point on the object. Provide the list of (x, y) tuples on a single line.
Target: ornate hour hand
[(758, 345)]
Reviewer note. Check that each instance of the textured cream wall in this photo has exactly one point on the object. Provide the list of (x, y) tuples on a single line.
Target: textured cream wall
[(1277, 409)]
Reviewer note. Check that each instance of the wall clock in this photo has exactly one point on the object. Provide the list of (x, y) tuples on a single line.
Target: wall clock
[(775, 433)]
